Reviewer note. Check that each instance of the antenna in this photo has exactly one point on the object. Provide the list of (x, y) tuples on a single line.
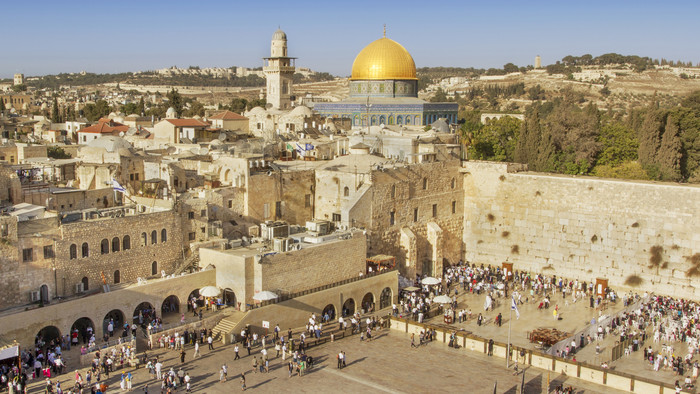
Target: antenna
[(385, 30)]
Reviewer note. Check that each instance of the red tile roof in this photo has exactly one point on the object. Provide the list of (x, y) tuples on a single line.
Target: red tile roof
[(105, 128), (187, 123), (228, 115)]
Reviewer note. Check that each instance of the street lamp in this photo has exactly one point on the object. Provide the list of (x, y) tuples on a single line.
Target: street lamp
[(368, 107)]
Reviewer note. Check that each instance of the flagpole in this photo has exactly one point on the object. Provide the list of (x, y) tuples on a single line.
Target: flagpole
[(510, 322)]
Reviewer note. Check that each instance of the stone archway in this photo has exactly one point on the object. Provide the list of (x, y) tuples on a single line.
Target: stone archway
[(144, 313), (116, 318), (194, 295), (229, 297), (349, 307), (385, 298), (367, 305), (84, 328), (328, 312), (171, 304), (48, 334)]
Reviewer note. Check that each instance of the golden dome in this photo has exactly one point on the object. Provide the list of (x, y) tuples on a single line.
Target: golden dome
[(383, 59)]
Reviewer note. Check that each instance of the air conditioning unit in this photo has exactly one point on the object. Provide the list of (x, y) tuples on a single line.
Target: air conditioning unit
[(79, 288), (280, 244), (275, 230), (319, 227), (35, 296)]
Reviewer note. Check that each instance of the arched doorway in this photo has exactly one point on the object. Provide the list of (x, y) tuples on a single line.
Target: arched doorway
[(44, 294), (47, 336), (229, 297), (328, 312), (368, 303), (116, 317), (349, 307), (144, 313), (171, 304), (385, 298), (84, 328), (194, 295)]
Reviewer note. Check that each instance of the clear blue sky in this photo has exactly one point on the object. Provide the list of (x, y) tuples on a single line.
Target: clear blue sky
[(47, 37)]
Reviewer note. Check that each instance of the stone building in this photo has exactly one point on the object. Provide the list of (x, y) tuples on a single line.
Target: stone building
[(278, 72)]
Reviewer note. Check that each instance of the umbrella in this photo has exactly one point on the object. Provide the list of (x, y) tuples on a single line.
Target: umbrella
[(430, 281), (443, 299), (411, 288), (209, 291), (265, 296)]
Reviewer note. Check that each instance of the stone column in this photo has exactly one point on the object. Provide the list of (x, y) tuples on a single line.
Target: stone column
[(435, 240), (409, 245)]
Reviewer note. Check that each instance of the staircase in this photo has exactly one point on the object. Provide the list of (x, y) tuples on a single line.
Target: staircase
[(223, 329), (193, 260)]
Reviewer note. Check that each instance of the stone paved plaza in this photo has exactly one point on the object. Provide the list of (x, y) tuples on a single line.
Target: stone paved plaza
[(386, 364)]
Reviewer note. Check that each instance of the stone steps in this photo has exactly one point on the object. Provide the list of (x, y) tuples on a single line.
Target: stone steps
[(226, 326)]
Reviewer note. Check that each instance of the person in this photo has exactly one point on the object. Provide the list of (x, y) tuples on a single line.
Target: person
[(340, 360), (210, 341), (490, 348), (255, 364), (196, 351), (235, 350), (413, 339), (182, 355), (242, 381), (290, 366), (223, 374), (128, 381)]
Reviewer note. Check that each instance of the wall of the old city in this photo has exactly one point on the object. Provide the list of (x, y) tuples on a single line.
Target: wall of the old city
[(294, 189), (581, 227), (9, 261)]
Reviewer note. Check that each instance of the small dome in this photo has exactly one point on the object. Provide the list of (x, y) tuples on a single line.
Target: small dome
[(302, 110), (279, 35), (111, 144), (170, 113), (256, 111)]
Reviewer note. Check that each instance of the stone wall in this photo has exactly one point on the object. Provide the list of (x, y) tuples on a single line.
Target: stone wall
[(10, 187), (294, 190), (10, 277), (582, 227), (314, 266)]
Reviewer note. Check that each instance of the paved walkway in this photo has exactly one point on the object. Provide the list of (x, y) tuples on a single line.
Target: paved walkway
[(386, 364)]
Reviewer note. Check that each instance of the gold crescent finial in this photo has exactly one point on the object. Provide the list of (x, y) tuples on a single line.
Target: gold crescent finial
[(385, 30)]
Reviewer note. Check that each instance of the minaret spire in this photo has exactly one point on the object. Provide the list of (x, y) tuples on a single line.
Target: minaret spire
[(385, 30)]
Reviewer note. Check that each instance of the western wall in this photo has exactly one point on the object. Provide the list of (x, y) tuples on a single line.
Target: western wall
[(638, 235)]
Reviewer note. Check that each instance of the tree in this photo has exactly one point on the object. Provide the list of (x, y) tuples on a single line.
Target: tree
[(510, 68), (19, 88), (439, 97), (496, 140), (669, 155), (239, 105), (175, 101), (55, 117), (92, 112), (56, 152), (196, 108), (2, 105), (619, 144), (141, 107)]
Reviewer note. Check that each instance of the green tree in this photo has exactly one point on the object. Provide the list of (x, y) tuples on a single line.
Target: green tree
[(141, 107), (92, 112), (496, 140), (55, 117), (619, 144), (130, 108), (56, 152), (175, 101), (670, 155), (19, 88), (239, 105), (510, 68), (2, 105), (196, 108), (439, 97)]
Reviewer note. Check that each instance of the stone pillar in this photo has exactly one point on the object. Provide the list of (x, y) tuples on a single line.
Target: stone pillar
[(409, 245), (435, 240)]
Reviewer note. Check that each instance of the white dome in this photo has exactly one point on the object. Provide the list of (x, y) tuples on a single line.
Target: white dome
[(257, 111), (110, 143), (171, 113), (302, 110)]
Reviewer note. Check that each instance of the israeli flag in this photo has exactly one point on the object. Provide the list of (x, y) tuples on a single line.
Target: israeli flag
[(117, 187), (300, 149), (514, 306)]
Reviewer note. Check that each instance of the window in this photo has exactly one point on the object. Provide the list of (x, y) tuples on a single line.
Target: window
[(307, 201), (154, 237), (453, 184), (392, 215), (144, 239), (48, 252), (4, 230), (115, 244), (117, 277), (204, 230), (163, 235), (266, 210), (336, 217), (73, 251), (346, 192), (86, 249), (85, 283), (393, 191), (434, 210), (425, 183), (203, 213), (278, 209), (154, 268), (190, 215), (27, 255), (454, 207), (126, 242), (191, 236), (104, 246), (230, 203), (415, 214)]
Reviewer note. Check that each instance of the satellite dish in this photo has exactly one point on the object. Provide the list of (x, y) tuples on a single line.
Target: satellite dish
[(203, 151), (171, 150), (121, 134), (222, 137), (195, 151)]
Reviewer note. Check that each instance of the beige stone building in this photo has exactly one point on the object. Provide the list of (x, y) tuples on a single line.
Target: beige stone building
[(228, 120)]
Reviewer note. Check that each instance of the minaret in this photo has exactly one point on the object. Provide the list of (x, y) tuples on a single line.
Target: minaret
[(279, 71)]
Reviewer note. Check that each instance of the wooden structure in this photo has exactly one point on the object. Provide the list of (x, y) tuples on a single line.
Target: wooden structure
[(380, 262), (508, 270), (547, 336), (600, 285)]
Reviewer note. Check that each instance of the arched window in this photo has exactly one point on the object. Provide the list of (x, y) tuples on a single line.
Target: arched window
[(115, 244), (425, 183), (391, 119), (453, 183), (346, 192), (154, 237), (104, 246), (154, 268), (163, 235), (144, 239), (117, 277), (73, 251), (86, 249), (85, 283), (393, 191), (399, 119), (126, 242)]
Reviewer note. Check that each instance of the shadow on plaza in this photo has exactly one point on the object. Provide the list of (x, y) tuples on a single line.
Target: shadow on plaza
[(534, 385), (296, 304)]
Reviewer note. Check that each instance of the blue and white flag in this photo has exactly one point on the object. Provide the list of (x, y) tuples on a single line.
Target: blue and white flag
[(300, 149), (117, 187), (514, 306)]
